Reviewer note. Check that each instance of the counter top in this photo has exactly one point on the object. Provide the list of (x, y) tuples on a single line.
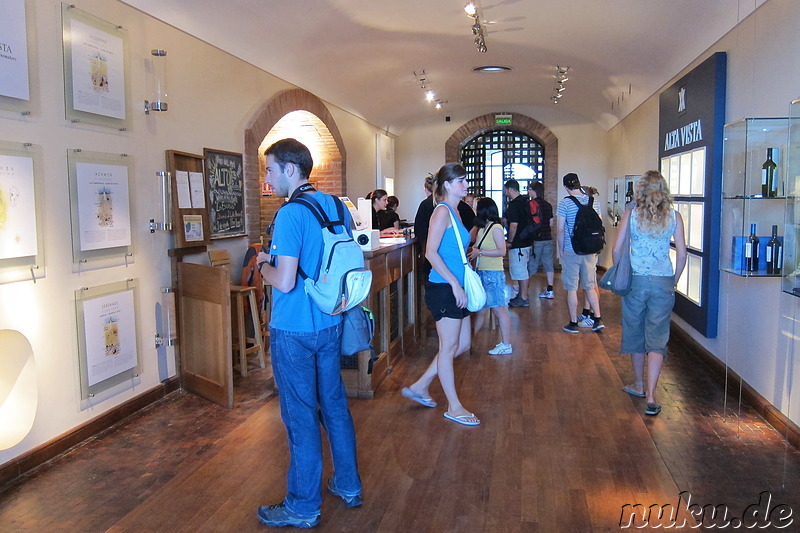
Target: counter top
[(394, 243)]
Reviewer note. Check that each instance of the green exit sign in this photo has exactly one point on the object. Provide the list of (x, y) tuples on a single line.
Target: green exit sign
[(502, 119)]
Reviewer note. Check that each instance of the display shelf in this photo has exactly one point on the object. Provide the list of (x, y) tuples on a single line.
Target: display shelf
[(791, 258), (751, 195)]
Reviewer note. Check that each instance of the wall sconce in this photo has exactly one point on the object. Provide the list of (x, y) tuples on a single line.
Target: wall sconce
[(157, 83), (166, 204)]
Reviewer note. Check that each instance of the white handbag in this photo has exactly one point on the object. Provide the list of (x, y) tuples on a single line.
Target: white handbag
[(476, 295)]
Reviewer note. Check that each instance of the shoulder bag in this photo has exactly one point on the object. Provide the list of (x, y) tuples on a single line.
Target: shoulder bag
[(476, 295), (617, 279)]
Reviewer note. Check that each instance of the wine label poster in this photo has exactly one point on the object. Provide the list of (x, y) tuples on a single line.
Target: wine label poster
[(13, 50), (98, 71), (103, 206), (17, 207), (110, 335)]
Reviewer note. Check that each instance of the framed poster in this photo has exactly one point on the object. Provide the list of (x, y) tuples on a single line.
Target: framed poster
[(14, 69), (21, 211), (107, 333), (100, 204), (96, 70), (225, 179)]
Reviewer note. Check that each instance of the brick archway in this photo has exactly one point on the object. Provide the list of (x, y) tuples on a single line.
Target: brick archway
[(520, 123), (260, 210)]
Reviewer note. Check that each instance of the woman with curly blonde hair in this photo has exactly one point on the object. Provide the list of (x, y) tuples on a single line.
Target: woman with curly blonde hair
[(647, 308)]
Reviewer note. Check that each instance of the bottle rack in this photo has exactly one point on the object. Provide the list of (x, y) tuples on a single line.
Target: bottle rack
[(745, 145)]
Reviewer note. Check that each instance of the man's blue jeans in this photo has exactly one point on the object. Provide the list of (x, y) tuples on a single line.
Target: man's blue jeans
[(307, 372)]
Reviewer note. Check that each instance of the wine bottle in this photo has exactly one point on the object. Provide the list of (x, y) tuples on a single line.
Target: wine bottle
[(629, 193), (768, 176), (774, 253), (751, 251)]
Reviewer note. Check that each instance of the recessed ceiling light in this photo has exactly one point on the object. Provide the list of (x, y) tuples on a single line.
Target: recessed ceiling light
[(492, 68)]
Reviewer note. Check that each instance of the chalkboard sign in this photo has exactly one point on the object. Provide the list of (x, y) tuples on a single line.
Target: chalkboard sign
[(225, 178)]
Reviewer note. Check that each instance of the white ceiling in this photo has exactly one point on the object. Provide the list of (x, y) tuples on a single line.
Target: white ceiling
[(360, 55)]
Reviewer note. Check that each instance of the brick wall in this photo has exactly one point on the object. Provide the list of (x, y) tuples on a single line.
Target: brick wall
[(329, 170)]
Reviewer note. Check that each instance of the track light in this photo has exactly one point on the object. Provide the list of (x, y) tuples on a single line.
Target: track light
[(471, 9), (559, 85), (425, 84)]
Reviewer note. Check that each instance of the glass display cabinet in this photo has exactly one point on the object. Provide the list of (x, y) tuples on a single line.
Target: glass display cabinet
[(791, 259), (754, 191)]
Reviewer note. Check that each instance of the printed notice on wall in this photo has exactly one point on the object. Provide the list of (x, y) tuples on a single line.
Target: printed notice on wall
[(103, 206), (17, 207), (98, 71), (110, 335), (13, 50)]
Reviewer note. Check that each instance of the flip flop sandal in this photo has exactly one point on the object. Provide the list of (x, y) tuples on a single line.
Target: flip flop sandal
[(463, 419), (413, 396), (652, 409)]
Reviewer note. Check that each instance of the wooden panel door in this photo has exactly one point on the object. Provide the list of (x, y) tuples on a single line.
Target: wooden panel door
[(205, 332)]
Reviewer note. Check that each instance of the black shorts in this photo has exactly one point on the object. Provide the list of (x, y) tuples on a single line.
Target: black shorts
[(441, 302)]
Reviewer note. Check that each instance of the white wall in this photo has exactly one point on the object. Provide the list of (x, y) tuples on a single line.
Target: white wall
[(212, 96), (758, 334)]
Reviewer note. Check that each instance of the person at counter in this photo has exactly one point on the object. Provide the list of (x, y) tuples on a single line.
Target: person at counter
[(388, 218), (380, 199), (305, 342)]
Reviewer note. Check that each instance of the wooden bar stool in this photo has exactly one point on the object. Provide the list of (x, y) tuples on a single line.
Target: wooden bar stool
[(240, 339)]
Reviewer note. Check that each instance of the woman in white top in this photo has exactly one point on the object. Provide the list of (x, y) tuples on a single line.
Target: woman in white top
[(647, 308)]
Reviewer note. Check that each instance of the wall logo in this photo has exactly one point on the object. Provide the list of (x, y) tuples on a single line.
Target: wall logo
[(682, 100)]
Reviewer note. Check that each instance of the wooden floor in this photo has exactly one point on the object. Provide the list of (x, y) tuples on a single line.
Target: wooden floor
[(560, 449)]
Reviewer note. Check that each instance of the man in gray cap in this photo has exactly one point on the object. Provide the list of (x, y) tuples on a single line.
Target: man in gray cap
[(575, 268)]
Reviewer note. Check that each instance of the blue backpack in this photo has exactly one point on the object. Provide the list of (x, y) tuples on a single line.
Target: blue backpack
[(342, 282)]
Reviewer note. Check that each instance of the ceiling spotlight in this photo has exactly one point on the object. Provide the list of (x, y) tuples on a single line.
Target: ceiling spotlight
[(559, 85), (438, 105), (470, 9), (492, 68), (429, 96)]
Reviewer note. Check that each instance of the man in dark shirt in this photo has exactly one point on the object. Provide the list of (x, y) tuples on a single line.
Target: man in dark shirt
[(518, 217), (542, 251)]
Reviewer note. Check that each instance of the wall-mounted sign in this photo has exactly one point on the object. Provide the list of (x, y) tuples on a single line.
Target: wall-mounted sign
[(502, 118), (691, 120)]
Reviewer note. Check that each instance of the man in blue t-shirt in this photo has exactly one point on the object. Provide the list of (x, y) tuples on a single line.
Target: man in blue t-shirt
[(304, 344)]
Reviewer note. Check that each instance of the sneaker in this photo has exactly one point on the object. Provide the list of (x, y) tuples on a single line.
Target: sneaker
[(501, 349), (585, 322), (572, 327), (516, 301), (546, 294), (280, 516), (582, 317), (597, 325), (349, 501)]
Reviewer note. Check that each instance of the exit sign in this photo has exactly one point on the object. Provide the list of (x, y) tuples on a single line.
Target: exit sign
[(502, 119)]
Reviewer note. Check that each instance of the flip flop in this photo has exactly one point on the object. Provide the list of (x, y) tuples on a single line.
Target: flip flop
[(652, 409), (632, 392), (413, 396), (463, 419)]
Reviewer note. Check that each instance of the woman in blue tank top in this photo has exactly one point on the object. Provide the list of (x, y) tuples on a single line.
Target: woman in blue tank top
[(445, 296), (647, 308)]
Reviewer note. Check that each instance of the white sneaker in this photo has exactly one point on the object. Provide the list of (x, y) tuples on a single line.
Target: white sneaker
[(586, 322), (546, 294), (501, 349)]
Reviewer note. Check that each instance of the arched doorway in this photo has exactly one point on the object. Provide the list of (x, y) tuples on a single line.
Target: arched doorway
[(299, 114), (519, 123)]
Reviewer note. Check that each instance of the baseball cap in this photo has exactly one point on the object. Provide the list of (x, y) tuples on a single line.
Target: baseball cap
[(571, 181)]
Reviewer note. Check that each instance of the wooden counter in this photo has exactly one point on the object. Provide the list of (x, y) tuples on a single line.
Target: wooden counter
[(394, 302)]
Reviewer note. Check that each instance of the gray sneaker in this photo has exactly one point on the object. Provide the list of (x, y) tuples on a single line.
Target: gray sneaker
[(598, 325), (547, 295), (571, 328), (349, 501), (280, 516), (516, 301)]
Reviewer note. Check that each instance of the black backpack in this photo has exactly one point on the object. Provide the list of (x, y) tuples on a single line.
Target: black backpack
[(588, 234)]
